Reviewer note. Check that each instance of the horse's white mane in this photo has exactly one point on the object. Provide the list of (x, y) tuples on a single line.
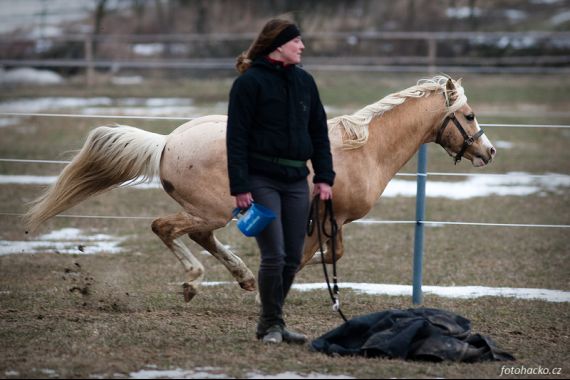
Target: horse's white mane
[(354, 128)]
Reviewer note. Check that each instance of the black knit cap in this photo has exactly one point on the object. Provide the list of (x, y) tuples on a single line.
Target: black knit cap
[(282, 38)]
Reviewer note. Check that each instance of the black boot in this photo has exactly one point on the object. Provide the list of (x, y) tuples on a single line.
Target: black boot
[(288, 335), (287, 283), (293, 337), (273, 335), (271, 295)]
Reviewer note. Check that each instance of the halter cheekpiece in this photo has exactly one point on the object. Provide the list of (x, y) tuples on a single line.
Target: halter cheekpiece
[(467, 140)]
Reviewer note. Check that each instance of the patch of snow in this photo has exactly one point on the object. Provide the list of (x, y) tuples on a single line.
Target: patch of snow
[(178, 373), (295, 375), (28, 75), (500, 144), (561, 18), (464, 292), (516, 42), (9, 122), (49, 372), (101, 105), (43, 104), (127, 81), (148, 49), (548, 2), (218, 373), (67, 234), (515, 15), (67, 240), (462, 12), (517, 184)]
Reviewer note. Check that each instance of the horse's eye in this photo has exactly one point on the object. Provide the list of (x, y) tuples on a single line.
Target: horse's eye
[(470, 117)]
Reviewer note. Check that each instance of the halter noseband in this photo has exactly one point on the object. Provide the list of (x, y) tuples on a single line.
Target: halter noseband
[(467, 140)]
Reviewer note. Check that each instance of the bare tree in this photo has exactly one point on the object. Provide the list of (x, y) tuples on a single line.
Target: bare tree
[(472, 16), (98, 16)]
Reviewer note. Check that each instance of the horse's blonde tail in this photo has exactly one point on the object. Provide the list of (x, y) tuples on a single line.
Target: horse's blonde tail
[(109, 157)]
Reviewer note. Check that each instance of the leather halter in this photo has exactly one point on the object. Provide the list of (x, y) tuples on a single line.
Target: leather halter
[(467, 140)]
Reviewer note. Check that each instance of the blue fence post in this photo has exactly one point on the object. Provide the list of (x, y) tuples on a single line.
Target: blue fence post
[(419, 231)]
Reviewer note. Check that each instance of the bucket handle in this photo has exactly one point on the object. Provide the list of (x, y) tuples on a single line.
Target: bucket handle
[(238, 210)]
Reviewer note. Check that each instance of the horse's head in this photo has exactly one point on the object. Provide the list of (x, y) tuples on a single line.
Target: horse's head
[(459, 133)]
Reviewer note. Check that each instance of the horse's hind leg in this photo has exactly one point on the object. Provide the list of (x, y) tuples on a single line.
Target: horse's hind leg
[(234, 264), (169, 229)]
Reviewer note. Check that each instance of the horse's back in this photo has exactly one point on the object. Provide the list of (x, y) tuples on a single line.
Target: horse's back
[(208, 120)]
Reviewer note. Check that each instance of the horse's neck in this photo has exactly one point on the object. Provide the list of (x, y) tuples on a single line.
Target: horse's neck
[(397, 135)]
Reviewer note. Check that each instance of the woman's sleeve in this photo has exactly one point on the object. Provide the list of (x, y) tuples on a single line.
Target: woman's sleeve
[(318, 128), (240, 116)]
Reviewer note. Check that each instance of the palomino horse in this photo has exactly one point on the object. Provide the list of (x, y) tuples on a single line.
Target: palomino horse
[(369, 147)]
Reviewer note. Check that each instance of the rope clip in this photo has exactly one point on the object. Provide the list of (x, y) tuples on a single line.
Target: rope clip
[(336, 306)]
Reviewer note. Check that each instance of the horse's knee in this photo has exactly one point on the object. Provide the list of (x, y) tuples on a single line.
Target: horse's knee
[(162, 229), (155, 227)]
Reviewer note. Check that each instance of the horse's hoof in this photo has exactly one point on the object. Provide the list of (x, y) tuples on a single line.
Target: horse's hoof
[(189, 291), (248, 285)]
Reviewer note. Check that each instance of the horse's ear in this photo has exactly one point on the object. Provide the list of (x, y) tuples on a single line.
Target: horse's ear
[(451, 93), (449, 86)]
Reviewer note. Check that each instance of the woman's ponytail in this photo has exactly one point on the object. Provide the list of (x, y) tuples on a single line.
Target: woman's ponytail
[(243, 62)]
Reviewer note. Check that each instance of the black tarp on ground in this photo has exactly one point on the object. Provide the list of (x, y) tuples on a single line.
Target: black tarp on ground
[(413, 334)]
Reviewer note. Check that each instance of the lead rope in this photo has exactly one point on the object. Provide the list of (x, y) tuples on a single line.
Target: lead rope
[(315, 221)]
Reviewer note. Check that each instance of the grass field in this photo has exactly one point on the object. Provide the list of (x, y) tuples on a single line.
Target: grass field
[(114, 314)]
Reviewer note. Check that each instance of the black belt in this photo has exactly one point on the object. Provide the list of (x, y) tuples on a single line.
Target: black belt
[(280, 161)]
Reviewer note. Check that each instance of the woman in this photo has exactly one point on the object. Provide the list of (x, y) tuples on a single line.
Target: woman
[(276, 122)]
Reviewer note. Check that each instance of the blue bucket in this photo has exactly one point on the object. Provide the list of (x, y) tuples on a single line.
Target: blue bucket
[(254, 220)]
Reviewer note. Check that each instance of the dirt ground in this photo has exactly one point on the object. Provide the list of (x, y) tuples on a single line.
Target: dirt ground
[(112, 315)]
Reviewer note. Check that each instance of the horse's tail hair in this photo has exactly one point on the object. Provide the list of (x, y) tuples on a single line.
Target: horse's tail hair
[(110, 156)]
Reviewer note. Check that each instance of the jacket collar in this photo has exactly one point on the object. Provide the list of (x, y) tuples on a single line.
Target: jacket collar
[(272, 64)]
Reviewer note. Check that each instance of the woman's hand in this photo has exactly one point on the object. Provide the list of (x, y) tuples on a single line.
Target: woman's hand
[(324, 189), (244, 200)]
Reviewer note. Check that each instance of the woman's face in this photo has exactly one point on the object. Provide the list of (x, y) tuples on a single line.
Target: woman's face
[(291, 51)]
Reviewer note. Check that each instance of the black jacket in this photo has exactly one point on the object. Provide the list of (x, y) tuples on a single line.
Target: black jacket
[(413, 334), (276, 111)]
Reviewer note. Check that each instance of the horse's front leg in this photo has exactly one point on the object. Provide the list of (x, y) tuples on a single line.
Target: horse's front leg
[(310, 250), (338, 245), (312, 254)]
